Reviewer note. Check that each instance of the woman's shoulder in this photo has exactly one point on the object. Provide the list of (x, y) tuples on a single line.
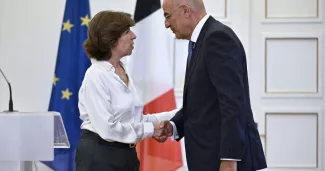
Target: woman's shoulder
[(95, 73)]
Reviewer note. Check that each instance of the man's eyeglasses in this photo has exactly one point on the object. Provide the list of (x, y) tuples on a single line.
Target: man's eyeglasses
[(169, 15)]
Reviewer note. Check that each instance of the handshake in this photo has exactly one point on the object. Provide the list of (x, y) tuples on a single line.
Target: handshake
[(162, 130)]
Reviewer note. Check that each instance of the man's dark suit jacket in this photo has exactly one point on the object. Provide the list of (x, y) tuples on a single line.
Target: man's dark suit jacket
[(216, 119)]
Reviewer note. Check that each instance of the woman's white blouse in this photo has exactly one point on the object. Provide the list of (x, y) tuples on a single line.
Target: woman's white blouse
[(112, 109)]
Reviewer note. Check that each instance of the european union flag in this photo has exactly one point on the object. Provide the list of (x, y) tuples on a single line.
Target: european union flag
[(71, 65)]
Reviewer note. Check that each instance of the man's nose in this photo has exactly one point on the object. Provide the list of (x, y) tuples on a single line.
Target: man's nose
[(167, 25)]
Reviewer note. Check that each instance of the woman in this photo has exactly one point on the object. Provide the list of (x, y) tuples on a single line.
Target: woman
[(109, 106)]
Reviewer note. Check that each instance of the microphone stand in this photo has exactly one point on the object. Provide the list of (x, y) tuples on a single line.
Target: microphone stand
[(11, 104)]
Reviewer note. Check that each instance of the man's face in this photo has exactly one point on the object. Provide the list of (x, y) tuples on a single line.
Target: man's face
[(174, 19)]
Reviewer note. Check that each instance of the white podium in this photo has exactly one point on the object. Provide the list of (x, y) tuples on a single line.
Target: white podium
[(28, 137)]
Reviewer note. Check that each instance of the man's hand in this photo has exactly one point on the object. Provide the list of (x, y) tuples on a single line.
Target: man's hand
[(159, 133), (168, 127), (162, 131), (227, 165)]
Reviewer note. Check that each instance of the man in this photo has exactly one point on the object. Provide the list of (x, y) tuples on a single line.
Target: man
[(216, 118)]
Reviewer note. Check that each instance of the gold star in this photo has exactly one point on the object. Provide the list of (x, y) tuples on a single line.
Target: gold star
[(55, 79), (66, 94), (85, 20), (67, 26)]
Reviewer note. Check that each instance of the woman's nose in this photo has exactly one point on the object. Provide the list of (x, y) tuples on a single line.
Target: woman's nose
[(133, 35)]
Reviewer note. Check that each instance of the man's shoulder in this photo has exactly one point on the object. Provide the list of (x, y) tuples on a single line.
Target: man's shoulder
[(217, 27), (219, 30)]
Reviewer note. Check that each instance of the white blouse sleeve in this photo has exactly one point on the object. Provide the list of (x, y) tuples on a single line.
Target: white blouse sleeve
[(158, 117), (97, 103)]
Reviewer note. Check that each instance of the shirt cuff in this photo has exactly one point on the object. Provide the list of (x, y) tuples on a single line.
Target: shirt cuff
[(230, 159), (148, 130), (175, 134)]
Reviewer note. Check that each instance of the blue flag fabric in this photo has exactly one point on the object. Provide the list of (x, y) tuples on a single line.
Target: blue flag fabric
[(71, 65)]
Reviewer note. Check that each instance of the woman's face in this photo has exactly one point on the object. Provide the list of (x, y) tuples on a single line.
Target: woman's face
[(125, 43)]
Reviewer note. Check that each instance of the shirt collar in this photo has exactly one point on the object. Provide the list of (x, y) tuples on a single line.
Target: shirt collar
[(106, 64), (198, 28)]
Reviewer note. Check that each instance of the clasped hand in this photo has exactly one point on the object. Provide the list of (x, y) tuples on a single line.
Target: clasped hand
[(162, 131)]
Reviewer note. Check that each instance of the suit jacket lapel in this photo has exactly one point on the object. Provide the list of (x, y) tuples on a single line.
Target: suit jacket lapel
[(195, 54)]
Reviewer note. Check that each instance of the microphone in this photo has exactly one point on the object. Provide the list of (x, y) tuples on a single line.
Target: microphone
[(11, 104)]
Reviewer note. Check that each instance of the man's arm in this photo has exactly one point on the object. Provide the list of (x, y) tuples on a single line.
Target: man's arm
[(164, 117), (178, 121), (223, 58)]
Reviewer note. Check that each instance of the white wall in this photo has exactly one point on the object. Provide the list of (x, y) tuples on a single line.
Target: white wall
[(287, 52)]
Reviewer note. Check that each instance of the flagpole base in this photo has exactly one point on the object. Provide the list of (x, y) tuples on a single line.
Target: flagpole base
[(16, 165), (26, 166)]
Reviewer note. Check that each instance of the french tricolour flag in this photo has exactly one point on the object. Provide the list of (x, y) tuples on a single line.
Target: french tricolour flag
[(151, 69)]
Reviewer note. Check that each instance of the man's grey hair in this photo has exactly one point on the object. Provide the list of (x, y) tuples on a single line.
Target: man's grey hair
[(195, 5)]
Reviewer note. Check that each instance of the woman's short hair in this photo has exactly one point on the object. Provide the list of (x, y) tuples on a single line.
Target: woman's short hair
[(104, 30)]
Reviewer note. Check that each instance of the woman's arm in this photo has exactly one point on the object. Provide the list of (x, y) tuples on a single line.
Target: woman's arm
[(158, 117), (96, 98)]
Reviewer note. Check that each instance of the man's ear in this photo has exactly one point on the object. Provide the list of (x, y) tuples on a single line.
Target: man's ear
[(186, 11)]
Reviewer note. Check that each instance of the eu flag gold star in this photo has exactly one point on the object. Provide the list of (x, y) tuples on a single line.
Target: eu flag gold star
[(67, 26), (66, 94), (55, 79), (85, 20)]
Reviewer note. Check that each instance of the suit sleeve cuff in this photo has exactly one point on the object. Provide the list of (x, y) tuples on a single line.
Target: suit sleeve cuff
[(175, 134), (230, 159), (148, 130)]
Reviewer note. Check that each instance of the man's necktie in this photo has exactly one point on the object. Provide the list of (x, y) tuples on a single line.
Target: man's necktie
[(190, 50)]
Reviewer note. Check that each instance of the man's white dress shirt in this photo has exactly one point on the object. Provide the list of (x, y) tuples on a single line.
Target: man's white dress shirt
[(112, 109), (194, 37)]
